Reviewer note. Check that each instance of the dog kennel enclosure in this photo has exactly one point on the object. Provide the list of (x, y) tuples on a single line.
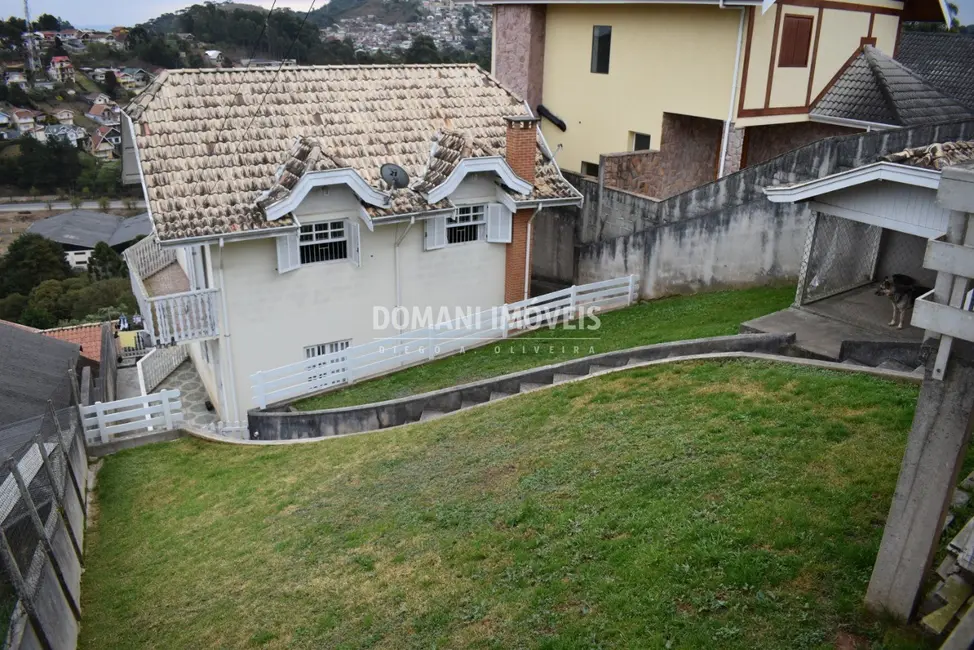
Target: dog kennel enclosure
[(866, 224)]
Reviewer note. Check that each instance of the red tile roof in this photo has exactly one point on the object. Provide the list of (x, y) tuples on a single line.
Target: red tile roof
[(88, 336)]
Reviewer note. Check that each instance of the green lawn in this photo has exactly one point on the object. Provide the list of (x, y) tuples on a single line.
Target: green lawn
[(658, 321), (696, 505)]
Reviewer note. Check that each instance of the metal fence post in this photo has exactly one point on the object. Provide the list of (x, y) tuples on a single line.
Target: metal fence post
[(22, 589), (100, 418), (58, 496), (632, 288), (35, 517)]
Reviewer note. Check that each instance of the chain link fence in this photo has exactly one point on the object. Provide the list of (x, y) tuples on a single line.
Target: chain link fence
[(841, 255), (43, 509)]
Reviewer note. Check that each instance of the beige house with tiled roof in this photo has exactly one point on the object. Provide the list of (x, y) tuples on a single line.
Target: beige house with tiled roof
[(276, 236)]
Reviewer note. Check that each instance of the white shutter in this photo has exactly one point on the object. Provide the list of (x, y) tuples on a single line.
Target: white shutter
[(498, 224), (435, 233), (354, 245), (288, 255)]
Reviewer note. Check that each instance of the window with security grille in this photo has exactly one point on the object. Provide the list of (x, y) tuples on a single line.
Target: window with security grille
[(466, 225), (323, 242), (333, 365)]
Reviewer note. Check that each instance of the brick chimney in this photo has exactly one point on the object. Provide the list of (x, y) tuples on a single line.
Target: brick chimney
[(522, 146), (522, 143)]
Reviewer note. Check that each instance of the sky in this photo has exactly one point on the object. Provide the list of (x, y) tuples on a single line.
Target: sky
[(83, 13), (100, 13)]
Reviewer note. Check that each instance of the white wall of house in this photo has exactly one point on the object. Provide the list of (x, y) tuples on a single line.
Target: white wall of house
[(204, 354), (274, 316)]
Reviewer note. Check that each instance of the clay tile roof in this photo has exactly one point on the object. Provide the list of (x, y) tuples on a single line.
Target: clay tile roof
[(875, 88), (88, 336), (943, 59), (934, 156), (217, 146)]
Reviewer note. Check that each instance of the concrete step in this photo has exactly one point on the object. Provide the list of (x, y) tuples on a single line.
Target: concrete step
[(527, 387), (499, 395), (893, 364), (430, 415), (562, 377), (465, 404), (632, 361), (594, 369)]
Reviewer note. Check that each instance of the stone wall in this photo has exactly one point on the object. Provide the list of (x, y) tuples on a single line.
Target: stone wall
[(519, 35), (735, 150), (640, 172), (691, 147), (689, 150), (766, 142), (725, 233)]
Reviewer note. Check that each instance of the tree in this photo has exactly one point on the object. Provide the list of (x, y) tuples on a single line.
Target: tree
[(76, 201), (48, 298), (104, 203), (12, 307), (105, 263), (422, 50), (47, 23), (30, 260), (110, 85), (33, 317)]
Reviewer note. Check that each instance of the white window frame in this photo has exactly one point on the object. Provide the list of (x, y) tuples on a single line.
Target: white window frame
[(464, 217), (328, 367), (322, 232)]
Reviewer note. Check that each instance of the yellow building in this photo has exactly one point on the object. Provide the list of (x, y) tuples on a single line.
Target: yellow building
[(698, 89)]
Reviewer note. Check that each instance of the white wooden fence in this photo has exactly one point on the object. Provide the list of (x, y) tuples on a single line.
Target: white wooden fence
[(386, 355), (104, 421), (154, 367)]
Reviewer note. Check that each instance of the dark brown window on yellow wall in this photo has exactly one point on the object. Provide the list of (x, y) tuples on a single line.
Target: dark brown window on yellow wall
[(796, 37)]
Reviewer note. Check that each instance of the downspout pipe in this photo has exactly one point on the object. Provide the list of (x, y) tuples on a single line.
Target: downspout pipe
[(527, 255), (724, 142), (226, 337)]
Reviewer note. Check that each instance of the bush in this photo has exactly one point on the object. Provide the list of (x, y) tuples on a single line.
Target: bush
[(12, 307), (29, 261)]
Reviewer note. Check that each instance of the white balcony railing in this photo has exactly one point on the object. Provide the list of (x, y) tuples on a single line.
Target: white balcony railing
[(147, 257), (170, 314)]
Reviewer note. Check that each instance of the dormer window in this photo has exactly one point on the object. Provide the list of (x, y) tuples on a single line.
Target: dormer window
[(467, 225), (323, 242)]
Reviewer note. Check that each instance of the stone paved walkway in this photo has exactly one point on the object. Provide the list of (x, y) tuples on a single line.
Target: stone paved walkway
[(192, 394)]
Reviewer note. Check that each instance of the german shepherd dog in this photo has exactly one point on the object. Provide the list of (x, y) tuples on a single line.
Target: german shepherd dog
[(902, 291)]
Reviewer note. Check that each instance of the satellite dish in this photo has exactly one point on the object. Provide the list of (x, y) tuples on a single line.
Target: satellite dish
[(394, 175)]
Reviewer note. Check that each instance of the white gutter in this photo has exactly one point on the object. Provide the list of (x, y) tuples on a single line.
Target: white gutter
[(879, 171), (724, 142), (527, 255), (855, 124), (225, 331)]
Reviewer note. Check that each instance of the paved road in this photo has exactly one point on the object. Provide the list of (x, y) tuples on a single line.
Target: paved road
[(63, 205)]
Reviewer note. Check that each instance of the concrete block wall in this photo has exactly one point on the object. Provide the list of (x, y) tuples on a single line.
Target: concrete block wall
[(725, 233)]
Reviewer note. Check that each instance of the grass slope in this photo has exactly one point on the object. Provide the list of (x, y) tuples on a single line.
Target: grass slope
[(658, 321), (726, 505)]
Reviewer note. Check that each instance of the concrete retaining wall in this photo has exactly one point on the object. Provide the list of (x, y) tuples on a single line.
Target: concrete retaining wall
[(266, 425), (722, 234)]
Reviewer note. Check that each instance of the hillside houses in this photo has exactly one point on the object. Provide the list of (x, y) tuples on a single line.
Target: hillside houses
[(105, 142), (104, 114), (61, 69)]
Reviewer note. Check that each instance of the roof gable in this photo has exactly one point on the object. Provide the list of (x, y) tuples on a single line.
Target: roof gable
[(876, 89), (943, 59), (217, 146)]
